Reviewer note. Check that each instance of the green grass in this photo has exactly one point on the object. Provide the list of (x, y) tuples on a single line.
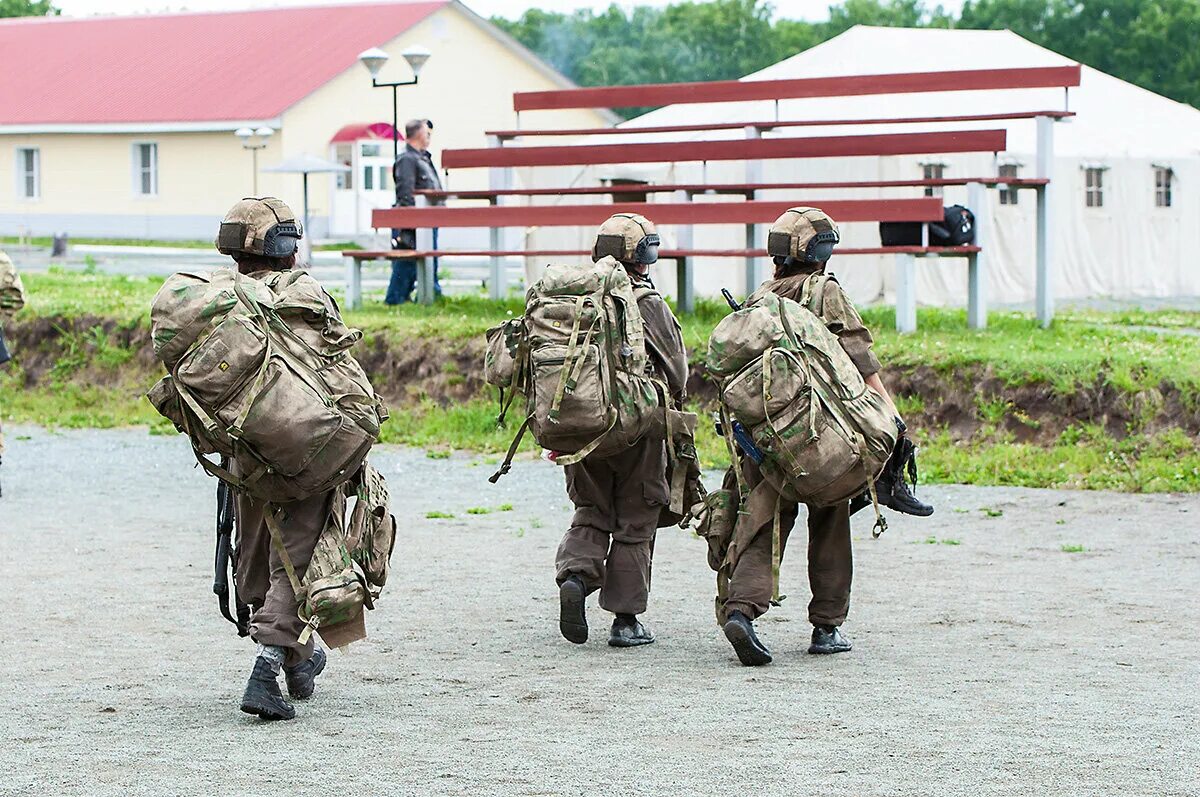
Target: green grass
[(439, 515), (1083, 348), (1073, 549)]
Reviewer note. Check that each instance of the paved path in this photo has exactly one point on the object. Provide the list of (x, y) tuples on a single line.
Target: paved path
[(1000, 665)]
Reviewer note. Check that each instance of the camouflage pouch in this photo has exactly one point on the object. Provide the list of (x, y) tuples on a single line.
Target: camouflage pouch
[(499, 360), (371, 527), (717, 519), (687, 493)]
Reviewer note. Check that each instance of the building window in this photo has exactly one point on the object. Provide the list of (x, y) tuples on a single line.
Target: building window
[(933, 171), (145, 169), (1008, 195), (1163, 177), (1094, 183), (29, 173)]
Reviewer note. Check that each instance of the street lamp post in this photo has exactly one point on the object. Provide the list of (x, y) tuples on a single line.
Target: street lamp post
[(374, 60), (254, 140)]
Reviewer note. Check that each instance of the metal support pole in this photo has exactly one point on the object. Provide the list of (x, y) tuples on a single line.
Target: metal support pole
[(1045, 215), (425, 292), (395, 121), (353, 283), (906, 293), (978, 201), (753, 273), (685, 271), (254, 162), (499, 179)]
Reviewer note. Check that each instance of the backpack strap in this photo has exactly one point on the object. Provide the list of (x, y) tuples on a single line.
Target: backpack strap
[(506, 465)]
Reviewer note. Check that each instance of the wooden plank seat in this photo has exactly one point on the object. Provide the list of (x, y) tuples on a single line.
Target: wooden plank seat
[(749, 212), (747, 149), (775, 124), (740, 189), (795, 88)]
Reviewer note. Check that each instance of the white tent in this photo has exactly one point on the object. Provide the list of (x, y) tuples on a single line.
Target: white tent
[(1126, 247)]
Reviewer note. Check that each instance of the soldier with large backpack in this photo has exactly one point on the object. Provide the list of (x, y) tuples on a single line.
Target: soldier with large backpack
[(599, 358), (12, 299), (260, 373), (807, 420)]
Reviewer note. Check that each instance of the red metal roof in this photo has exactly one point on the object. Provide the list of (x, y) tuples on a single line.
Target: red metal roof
[(241, 65), (361, 130)]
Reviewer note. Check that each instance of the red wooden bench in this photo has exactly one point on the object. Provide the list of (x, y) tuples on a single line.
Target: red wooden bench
[(925, 209)]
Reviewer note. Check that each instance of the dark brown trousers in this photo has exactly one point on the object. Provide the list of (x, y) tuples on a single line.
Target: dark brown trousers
[(262, 581), (830, 560), (617, 500)]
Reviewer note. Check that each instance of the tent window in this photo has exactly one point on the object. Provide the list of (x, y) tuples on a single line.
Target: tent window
[(368, 178), (344, 154), (1162, 186), (29, 173), (1008, 196), (1095, 187), (145, 169), (933, 171)]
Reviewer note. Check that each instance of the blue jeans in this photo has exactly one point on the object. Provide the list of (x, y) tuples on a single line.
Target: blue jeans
[(404, 277), (404, 280)]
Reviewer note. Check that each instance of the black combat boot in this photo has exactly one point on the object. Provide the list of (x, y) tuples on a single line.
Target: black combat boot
[(627, 632), (740, 633), (572, 621), (262, 695), (892, 488), (302, 679), (828, 639)]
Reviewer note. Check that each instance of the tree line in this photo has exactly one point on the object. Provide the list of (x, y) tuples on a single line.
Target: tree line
[(1154, 44)]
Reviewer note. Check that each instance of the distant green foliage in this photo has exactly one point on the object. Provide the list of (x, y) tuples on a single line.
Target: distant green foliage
[(1152, 43), (28, 8)]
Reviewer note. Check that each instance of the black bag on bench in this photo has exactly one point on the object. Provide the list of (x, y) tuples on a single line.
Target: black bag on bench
[(957, 229)]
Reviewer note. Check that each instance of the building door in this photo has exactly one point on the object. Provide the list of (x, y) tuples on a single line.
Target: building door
[(366, 187)]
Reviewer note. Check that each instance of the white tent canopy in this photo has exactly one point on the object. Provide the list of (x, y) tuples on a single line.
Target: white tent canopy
[(1127, 247)]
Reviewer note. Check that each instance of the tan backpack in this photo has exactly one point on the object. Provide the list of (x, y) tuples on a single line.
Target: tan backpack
[(12, 292), (823, 435), (579, 358), (260, 371)]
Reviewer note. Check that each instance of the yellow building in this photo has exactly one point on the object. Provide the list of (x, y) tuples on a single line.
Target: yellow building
[(124, 126)]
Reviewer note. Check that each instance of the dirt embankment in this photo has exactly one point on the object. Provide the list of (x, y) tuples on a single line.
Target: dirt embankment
[(103, 352)]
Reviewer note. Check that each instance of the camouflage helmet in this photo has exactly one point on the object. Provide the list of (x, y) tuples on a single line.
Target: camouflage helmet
[(806, 234), (260, 226), (628, 237)]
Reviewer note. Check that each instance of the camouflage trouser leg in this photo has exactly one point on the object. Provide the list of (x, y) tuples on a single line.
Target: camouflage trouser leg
[(262, 581), (830, 561), (618, 501)]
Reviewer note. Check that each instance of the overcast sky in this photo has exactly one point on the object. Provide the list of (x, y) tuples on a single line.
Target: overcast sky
[(795, 9)]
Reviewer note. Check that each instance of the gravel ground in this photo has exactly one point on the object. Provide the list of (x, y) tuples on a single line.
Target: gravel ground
[(987, 662)]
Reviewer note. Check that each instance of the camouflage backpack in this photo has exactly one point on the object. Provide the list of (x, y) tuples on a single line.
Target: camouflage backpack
[(579, 358), (350, 563), (788, 386), (260, 371), (12, 292)]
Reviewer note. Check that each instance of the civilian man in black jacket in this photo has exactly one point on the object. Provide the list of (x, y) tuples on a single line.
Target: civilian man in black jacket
[(412, 171)]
